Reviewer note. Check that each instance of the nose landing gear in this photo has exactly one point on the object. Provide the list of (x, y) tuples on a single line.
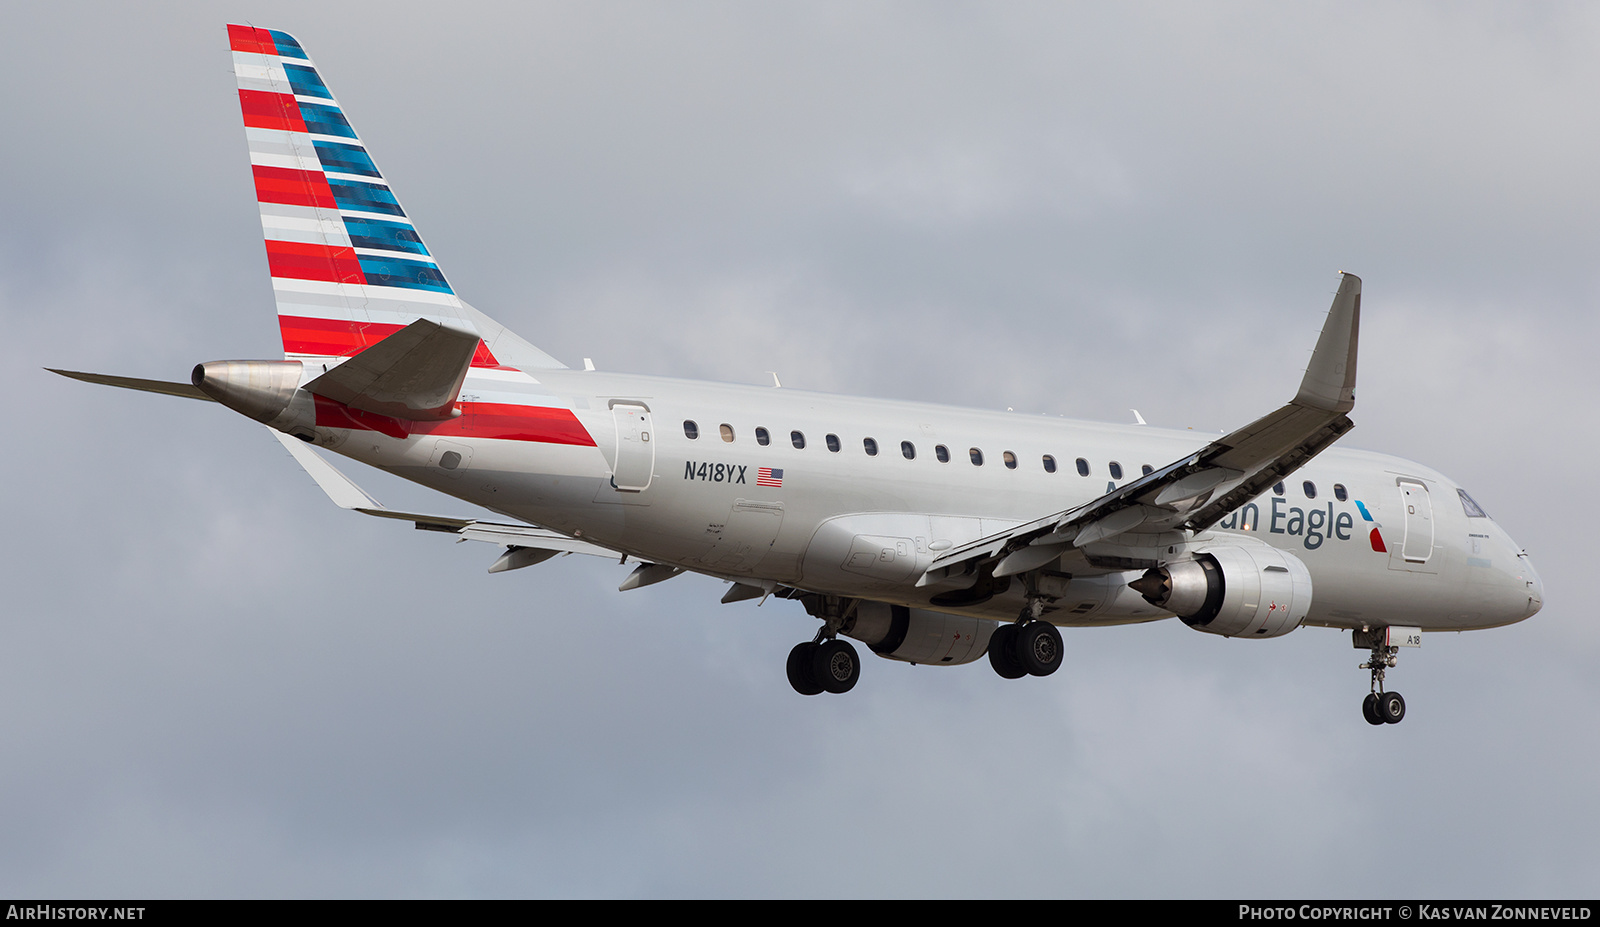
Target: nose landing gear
[(1381, 707)]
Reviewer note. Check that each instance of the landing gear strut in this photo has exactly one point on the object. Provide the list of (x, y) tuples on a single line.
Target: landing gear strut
[(1380, 707)]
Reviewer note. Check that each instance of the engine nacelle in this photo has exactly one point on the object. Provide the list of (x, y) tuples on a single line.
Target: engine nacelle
[(1235, 591), (916, 635)]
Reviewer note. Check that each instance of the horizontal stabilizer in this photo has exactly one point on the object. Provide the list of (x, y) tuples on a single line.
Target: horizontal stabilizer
[(186, 390), (347, 495), (415, 373)]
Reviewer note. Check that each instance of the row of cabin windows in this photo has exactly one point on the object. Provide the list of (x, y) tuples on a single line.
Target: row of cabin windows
[(1310, 489), (691, 430), (909, 451)]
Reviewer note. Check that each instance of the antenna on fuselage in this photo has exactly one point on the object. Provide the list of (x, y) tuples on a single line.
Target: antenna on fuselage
[(775, 383)]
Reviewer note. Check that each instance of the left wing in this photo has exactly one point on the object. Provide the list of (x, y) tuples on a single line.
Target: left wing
[(518, 538), (1194, 493)]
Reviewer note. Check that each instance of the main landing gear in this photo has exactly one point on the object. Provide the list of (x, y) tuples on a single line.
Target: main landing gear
[(1380, 707), (1025, 649), (823, 665)]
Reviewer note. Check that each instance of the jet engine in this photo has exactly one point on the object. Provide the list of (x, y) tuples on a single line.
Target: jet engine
[(1242, 591), (916, 635)]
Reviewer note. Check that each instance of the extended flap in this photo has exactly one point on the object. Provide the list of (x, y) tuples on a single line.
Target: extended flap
[(415, 373)]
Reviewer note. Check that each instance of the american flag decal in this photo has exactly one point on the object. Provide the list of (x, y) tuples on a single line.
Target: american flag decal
[(766, 476)]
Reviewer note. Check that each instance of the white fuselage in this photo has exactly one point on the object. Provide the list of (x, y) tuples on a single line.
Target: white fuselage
[(844, 522)]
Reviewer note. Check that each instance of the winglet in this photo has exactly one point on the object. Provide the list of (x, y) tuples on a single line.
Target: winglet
[(1330, 380)]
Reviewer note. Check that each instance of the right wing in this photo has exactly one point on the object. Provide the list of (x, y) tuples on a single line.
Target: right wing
[(1192, 494)]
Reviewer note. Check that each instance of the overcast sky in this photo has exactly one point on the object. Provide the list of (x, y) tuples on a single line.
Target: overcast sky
[(214, 683)]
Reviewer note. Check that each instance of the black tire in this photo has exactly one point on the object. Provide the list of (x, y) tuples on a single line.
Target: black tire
[(1391, 708), (1002, 653), (800, 675), (1038, 648), (1369, 709), (835, 666)]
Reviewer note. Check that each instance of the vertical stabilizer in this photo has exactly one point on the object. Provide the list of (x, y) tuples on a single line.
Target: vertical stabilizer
[(348, 267)]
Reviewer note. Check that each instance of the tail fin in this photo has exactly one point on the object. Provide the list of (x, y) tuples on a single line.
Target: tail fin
[(348, 267)]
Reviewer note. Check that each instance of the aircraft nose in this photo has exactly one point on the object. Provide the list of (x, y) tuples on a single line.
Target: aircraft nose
[(1534, 584)]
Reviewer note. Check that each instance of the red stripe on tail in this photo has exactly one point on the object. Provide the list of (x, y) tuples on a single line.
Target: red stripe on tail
[(293, 188), (265, 110), (248, 39), (343, 337), (302, 261)]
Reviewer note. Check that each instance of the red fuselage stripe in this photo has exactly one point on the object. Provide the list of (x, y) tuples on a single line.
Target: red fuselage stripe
[(500, 421)]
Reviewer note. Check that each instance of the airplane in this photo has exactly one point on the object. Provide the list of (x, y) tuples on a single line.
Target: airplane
[(930, 534)]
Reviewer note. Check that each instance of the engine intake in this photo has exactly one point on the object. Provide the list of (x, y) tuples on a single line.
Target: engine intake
[(1233, 591)]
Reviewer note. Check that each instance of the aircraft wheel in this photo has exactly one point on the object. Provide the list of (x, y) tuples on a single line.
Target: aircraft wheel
[(800, 663), (1038, 648), (1003, 653), (1369, 709), (835, 665), (1391, 707)]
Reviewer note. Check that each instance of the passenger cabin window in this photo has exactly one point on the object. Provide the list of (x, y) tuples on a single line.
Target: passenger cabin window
[(797, 439), (1340, 493), (1277, 489), (763, 437), (909, 450), (832, 442), (1146, 469), (1116, 470), (941, 452), (1010, 459), (871, 446), (976, 455), (1310, 489), (727, 432), (690, 430), (1472, 508), (1083, 467), (1049, 464)]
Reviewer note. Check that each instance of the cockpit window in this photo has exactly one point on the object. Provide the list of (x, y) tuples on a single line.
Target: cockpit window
[(1473, 509)]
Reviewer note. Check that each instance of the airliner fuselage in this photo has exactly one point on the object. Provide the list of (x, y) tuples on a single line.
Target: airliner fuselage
[(932, 534)]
